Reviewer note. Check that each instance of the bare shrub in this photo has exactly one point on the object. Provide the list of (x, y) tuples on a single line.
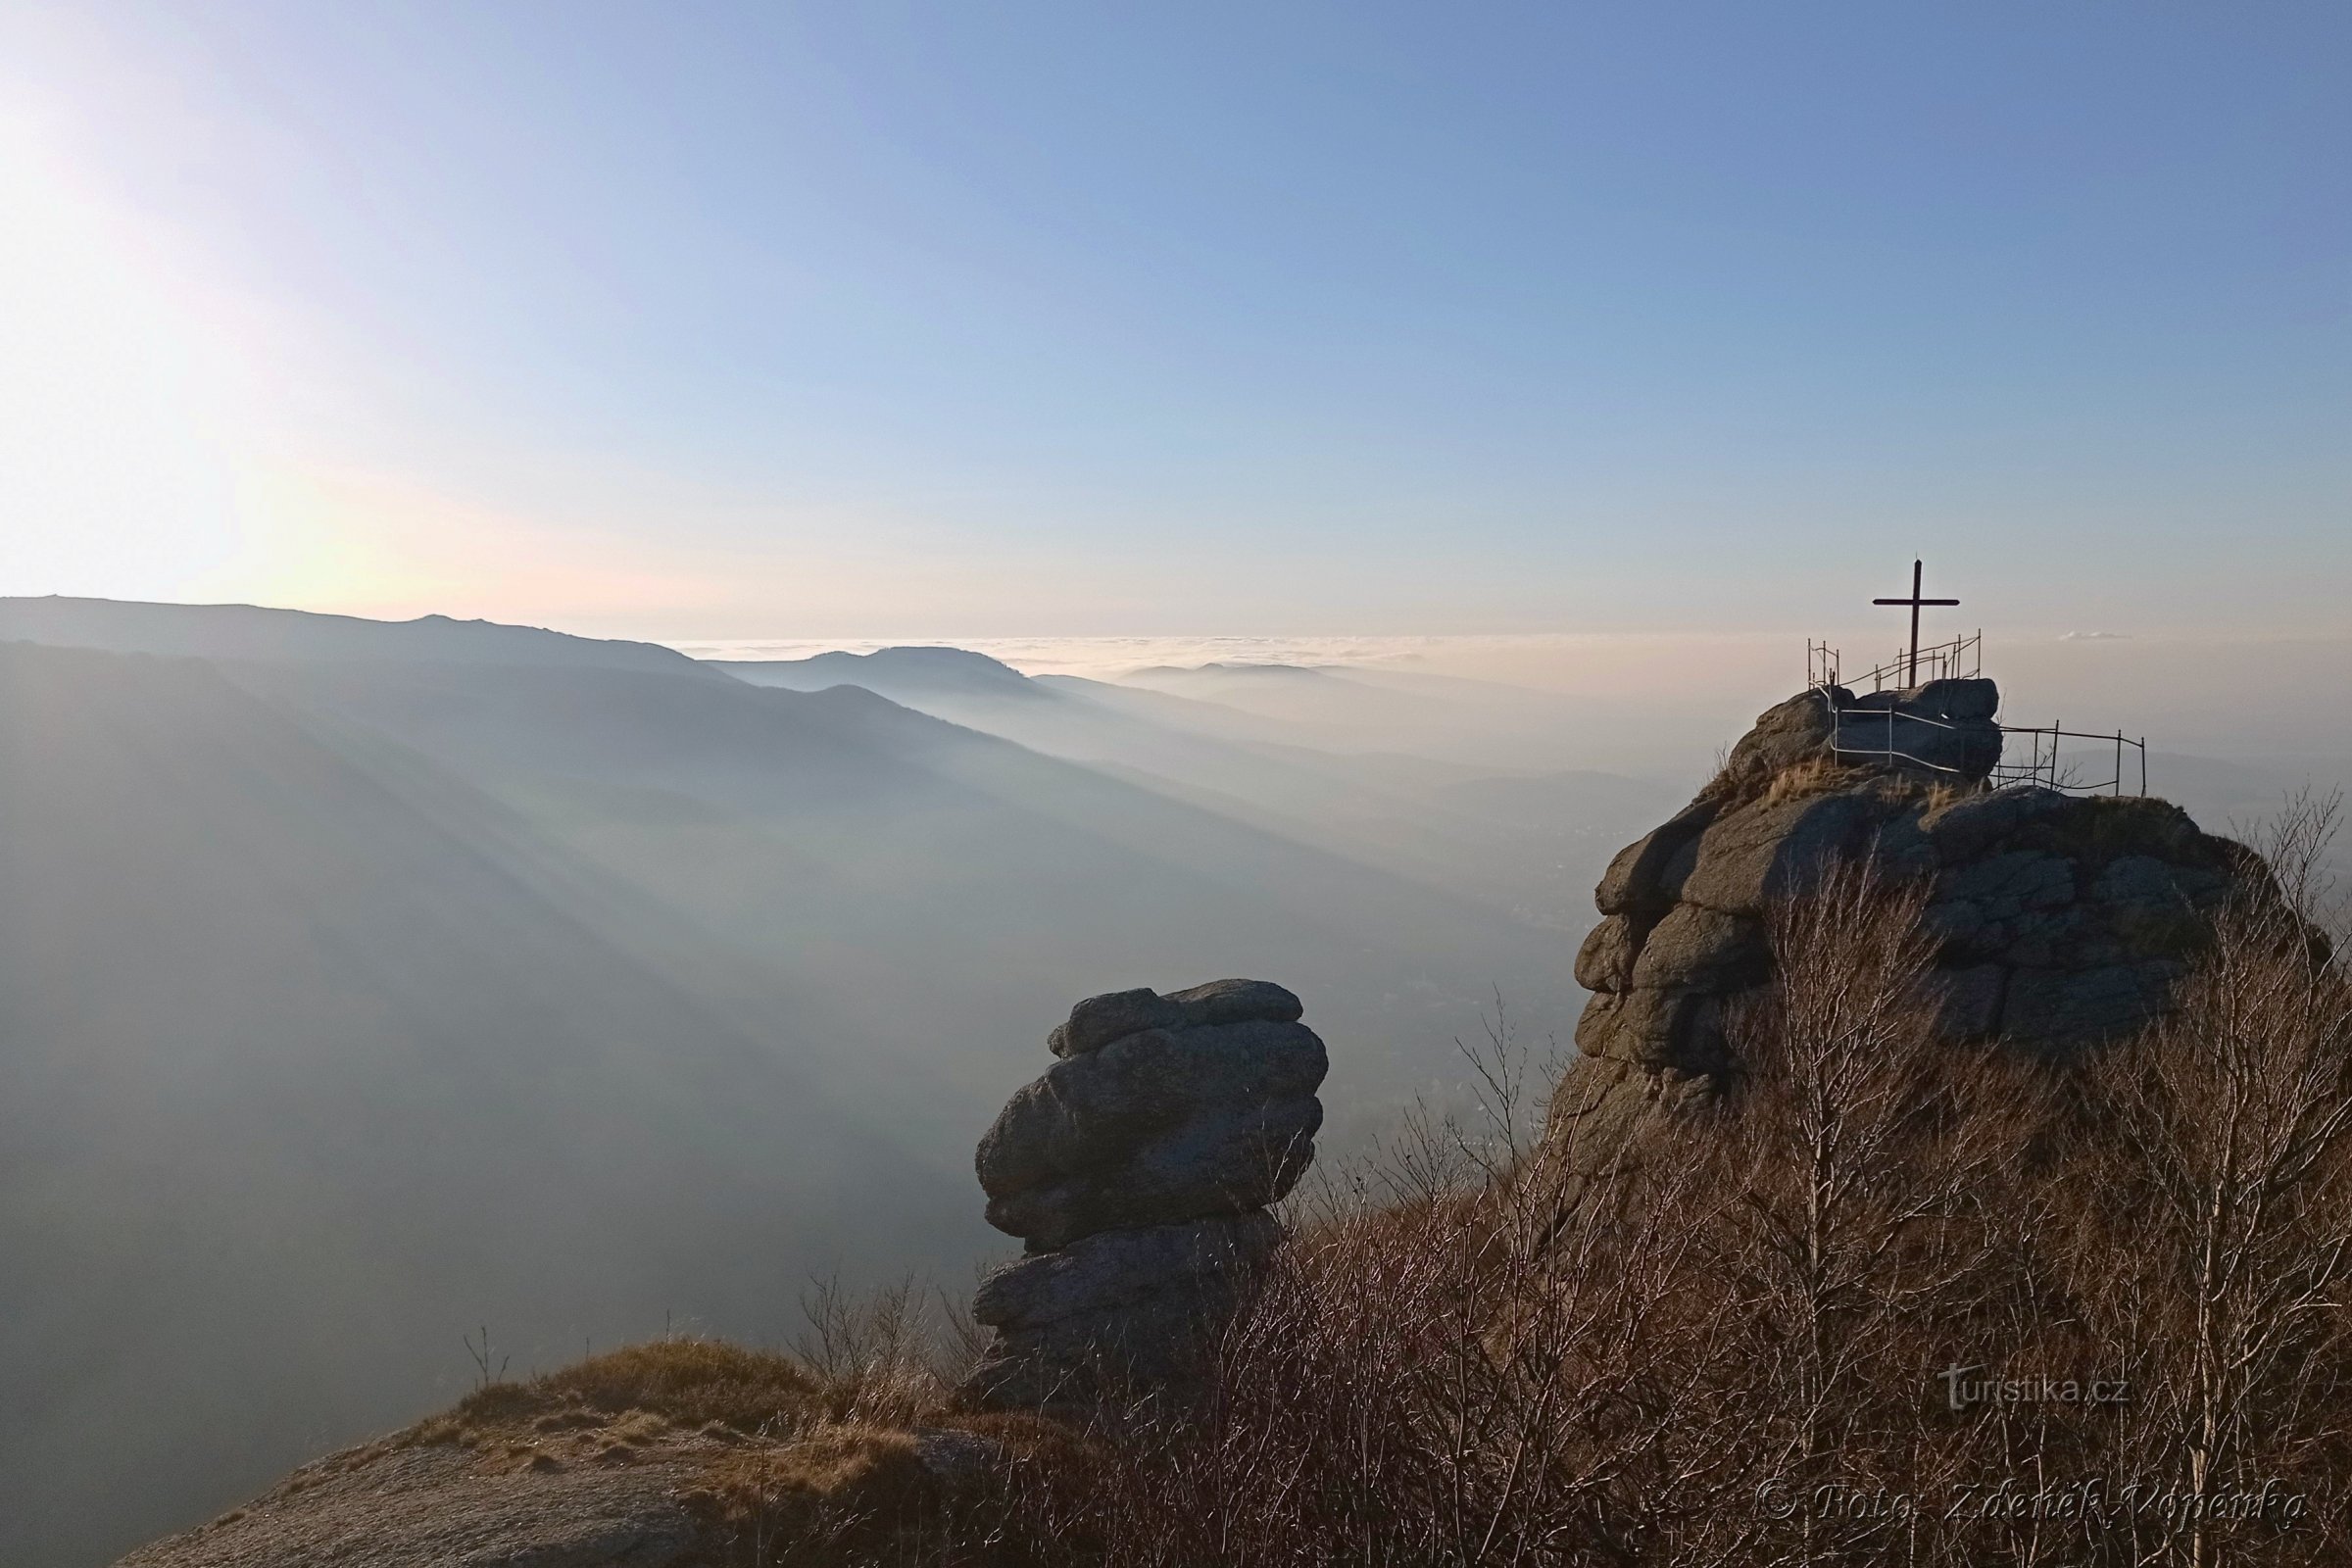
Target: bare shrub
[(2217, 1261), (1791, 1327), (1795, 1328)]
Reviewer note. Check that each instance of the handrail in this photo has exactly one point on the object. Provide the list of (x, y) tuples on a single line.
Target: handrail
[(1822, 675), (1963, 657), (2041, 769), (2045, 769)]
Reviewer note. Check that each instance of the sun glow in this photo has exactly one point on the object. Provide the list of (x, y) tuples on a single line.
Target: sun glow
[(119, 401)]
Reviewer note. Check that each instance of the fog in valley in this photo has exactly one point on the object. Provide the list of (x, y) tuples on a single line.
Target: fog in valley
[(362, 983)]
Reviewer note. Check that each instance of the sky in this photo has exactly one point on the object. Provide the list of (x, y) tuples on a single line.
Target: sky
[(833, 321)]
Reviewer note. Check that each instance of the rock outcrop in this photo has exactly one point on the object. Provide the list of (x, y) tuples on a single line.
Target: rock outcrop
[(1138, 1171), (1943, 729), (2059, 921)]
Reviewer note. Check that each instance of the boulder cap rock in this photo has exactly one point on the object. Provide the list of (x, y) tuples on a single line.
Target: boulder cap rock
[(1098, 1020)]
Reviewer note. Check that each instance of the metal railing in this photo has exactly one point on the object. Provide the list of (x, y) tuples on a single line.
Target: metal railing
[(1888, 752), (1961, 658), (2044, 762), (2042, 767)]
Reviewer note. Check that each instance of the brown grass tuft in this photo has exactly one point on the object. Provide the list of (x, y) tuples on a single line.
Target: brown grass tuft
[(1819, 775), (688, 1381), (863, 1469)]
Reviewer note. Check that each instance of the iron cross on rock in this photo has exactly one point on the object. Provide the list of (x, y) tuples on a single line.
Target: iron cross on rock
[(1911, 668)]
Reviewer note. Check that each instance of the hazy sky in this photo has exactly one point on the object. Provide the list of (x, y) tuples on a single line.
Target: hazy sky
[(842, 320)]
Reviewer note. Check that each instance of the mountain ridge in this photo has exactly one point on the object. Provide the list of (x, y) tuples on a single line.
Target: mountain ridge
[(355, 1002)]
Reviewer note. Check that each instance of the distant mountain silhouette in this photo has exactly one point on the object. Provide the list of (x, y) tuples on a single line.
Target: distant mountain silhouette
[(892, 671), (248, 631), (1221, 670), (1527, 842)]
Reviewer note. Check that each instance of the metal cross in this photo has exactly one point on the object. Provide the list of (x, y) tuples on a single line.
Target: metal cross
[(1911, 670)]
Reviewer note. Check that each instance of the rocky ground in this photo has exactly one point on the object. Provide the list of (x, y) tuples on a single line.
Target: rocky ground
[(399, 1503), (682, 1452)]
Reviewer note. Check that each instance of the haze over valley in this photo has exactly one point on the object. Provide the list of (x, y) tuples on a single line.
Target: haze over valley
[(366, 983)]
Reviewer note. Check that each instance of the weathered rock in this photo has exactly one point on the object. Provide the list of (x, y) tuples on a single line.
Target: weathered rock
[(2060, 1011), (1098, 1020), (1971, 823), (1965, 700), (1228, 1161), (2149, 883), (1678, 1028), (1702, 948), (1103, 1273), (1605, 960), (1155, 1127), (1972, 1002), (2056, 922), (1640, 880), (2010, 883), (1605, 1116), (1138, 1171), (1770, 850), (1799, 730)]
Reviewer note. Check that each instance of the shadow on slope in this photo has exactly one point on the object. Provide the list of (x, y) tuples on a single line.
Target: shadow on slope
[(351, 1003), (299, 1077)]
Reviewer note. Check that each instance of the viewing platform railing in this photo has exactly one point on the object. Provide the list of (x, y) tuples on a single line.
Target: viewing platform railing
[(2043, 767), (2125, 760), (2043, 764), (1961, 658)]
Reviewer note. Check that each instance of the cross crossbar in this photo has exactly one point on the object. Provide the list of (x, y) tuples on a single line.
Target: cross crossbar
[(1911, 676)]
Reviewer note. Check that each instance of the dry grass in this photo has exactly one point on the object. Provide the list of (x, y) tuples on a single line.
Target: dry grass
[(840, 1494), (845, 1451), (1824, 775), (684, 1382), (1819, 775)]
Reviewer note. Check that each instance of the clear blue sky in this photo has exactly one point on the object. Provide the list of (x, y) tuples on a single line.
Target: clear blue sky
[(824, 320)]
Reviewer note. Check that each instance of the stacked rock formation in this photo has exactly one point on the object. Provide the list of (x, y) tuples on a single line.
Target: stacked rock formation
[(2059, 920), (1138, 1171)]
